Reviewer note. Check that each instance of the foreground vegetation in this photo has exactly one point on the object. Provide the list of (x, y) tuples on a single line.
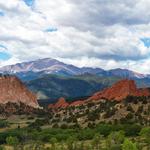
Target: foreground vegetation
[(102, 137), (100, 125)]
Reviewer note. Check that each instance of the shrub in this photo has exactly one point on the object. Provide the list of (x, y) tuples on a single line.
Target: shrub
[(64, 126), (2, 148), (96, 142), (129, 145), (145, 132), (3, 124), (104, 129), (132, 130), (71, 143), (53, 142), (92, 116), (129, 108), (12, 140), (55, 125), (86, 134)]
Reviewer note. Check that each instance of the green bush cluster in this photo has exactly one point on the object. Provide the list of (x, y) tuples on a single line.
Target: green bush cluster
[(63, 133)]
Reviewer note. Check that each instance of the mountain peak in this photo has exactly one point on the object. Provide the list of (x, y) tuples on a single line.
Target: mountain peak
[(125, 73), (52, 66), (32, 66)]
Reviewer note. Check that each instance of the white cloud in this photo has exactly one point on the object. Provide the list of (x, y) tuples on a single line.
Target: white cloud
[(99, 33)]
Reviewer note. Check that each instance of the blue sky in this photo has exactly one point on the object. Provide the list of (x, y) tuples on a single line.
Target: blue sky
[(146, 42), (97, 33), (1, 13), (51, 29), (4, 56), (29, 2)]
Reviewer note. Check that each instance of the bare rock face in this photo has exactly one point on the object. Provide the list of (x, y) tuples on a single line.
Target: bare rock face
[(120, 90), (50, 106), (12, 90), (61, 103), (77, 103)]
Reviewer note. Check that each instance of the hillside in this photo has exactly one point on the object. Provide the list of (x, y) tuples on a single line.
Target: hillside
[(130, 110), (133, 106), (53, 87)]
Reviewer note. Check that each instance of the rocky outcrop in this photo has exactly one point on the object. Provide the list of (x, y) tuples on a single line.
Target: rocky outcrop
[(120, 90), (61, 103), (77, 103), (12, 90)]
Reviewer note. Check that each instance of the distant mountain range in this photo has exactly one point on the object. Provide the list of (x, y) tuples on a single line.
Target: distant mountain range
[(38, 68), (51, 79)]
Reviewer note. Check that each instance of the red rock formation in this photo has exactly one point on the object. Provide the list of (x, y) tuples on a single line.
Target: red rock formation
[(50, 106), (14, 91), (61, 103), (77, 103), (120, 90)]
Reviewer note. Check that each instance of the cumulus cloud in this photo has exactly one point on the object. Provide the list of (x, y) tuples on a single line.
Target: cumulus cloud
[(98, 33)]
